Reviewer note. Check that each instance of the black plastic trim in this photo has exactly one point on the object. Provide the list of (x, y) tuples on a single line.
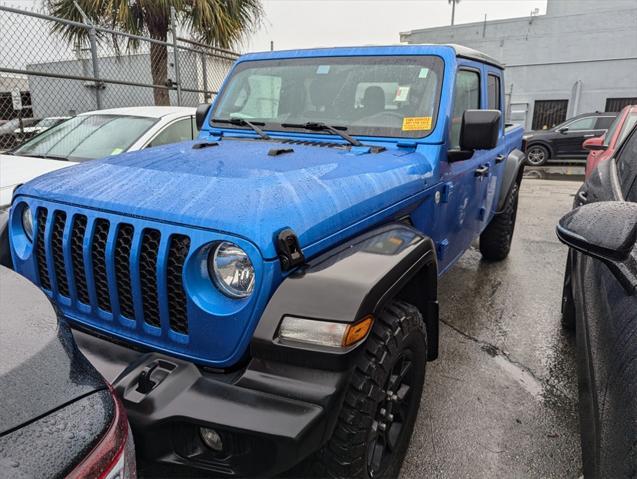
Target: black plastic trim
[(354, 280), (513, 171)]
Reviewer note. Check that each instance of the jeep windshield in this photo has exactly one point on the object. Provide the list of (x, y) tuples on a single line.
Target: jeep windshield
[(365, 95)]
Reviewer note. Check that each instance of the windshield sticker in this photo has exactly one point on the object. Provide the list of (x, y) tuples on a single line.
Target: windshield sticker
[(117, 151), (417, 123), (402, 93), (323, 70), (423, 73)]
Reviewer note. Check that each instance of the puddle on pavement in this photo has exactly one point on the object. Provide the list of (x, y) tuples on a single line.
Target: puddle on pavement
[(557, 173)]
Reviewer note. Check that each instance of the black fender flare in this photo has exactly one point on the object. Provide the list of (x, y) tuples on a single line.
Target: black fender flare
[(513, 171), (346, 284)]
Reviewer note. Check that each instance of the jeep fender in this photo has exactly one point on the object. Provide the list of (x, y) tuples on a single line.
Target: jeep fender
[(346, 284), (513, 170)]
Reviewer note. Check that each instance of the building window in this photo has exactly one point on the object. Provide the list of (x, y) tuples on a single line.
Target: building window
[(548, 113), (616, 104)]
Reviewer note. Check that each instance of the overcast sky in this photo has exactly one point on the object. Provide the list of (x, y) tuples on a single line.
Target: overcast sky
[(311, 23)]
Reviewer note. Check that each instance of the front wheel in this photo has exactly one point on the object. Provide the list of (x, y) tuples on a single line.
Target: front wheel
[(537, 155), (377, 418)]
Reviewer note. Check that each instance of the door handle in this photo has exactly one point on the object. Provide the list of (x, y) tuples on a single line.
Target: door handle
[(482, 171), (582, 197), (499, 159)]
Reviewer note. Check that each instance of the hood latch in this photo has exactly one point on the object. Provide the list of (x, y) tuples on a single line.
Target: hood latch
[(289, 250)]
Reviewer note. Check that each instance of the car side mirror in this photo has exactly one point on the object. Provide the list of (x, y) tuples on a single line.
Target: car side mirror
[(606, 230), (480, 130), (563, 130), (201, 114), (594, 144)]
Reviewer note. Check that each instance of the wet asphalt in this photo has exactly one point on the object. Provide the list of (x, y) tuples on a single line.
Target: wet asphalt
[(501, 400)]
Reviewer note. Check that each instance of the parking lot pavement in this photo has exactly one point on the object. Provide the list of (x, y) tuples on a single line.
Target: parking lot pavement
[(501, 400)]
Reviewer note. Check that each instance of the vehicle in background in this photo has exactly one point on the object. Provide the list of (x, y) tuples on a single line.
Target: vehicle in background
[(93, 135), (599, 301), (268, 293), (59, 418), (603, 147), (89, 136), (564, 141), (8, 137)]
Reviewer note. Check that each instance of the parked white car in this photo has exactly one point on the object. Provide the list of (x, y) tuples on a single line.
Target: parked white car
[(94, 135)]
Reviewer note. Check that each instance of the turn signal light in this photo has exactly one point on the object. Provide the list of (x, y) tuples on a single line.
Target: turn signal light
[(356, 332), (324, 333)]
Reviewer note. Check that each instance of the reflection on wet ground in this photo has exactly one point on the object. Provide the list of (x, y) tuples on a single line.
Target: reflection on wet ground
[(501, 399), (565, 172)]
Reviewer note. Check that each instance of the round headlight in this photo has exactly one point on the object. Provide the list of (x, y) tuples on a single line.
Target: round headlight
[(27, 222), (231, 270)]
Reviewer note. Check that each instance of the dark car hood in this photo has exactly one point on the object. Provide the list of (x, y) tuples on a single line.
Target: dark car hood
[(40, 366), (236, 187)]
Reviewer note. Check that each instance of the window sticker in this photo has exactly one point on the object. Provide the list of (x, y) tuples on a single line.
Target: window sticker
[(417, 123), (402, 93), (323, 70), (423, 73)]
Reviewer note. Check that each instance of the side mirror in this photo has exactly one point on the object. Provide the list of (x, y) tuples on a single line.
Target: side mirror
[(201, 114), (606, 230), (480, 130), (594, 144), (563, 130)]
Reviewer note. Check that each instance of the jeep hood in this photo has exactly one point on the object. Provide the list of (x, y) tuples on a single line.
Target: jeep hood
[(237, 188)]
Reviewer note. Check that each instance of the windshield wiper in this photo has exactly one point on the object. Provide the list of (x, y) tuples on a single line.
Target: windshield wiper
[(44, 157), (242, 122), (318, 126)]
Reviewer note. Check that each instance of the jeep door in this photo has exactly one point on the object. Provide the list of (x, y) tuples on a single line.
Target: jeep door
[(464, 180), (494, 159)]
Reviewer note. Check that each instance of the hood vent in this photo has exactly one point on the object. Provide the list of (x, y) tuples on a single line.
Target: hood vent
[(323, 144)]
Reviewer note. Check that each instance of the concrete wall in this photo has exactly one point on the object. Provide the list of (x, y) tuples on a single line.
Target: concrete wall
[(575, 47), (52, 96)]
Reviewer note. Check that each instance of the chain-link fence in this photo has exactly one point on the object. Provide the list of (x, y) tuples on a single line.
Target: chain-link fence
[(45, 79)]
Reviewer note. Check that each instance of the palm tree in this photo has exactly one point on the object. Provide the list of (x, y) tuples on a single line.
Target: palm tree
[(220, 23), (453, 10)]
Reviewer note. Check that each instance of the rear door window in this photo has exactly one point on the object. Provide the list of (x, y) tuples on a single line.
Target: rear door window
[(604, 122), (493, 92)]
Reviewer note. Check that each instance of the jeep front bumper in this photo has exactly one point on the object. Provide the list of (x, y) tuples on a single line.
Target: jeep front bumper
[(270, 415)]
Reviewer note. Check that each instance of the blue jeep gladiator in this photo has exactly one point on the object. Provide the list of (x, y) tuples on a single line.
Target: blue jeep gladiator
[(265, 297)]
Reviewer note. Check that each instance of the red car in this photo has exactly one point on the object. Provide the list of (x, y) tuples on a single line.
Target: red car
[(603, 147)]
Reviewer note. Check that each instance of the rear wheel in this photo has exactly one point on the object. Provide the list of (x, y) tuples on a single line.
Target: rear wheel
[(495, 240), (537, 155), (378, 415)]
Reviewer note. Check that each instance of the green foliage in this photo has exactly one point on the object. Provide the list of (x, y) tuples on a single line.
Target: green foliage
[(220, 23)]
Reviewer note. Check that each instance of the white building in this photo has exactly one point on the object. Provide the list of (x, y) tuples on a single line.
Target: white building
[(579, 57)]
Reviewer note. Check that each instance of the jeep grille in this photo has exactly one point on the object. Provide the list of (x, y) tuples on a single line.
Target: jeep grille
[(61, 243)]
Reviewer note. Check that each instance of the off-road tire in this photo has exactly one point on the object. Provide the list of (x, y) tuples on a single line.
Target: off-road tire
[(398, 331), (568, 304), (495, 240), (537, 155)]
